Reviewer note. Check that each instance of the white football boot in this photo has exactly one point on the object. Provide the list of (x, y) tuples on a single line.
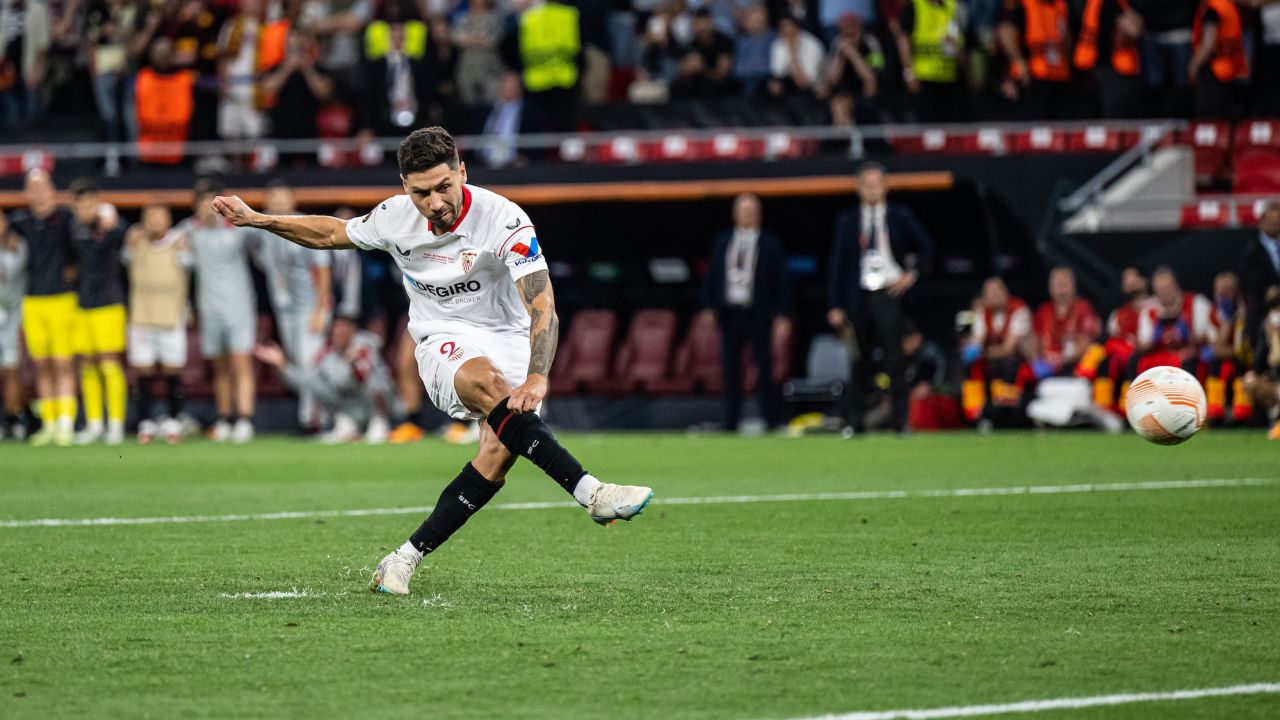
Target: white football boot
[(377, 431), (171, 428), (147, 430), (115, 432), (221, 431), (91, 434), (393, 573), (611, 502), (344, 430), (242, 432)]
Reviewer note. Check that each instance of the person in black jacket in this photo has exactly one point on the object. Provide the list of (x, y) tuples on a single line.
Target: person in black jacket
[(1260, 267), (878, 252), (748, 289)]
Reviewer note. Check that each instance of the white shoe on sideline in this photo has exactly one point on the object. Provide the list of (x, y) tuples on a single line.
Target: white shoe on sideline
[(242, 432), (147, 431), (377, 431), (618, 502), (393, 573), (89, 435), (344, 430), (115, 432), (221, 431), (171, 429)]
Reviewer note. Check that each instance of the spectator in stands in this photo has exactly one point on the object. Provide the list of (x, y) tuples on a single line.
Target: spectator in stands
[(159, 265), (752, 48), (338, 24), (109, 26), (1108, 47), (477, 34), (1262, 381), (830, 12), (49, 309), (877, 255), (193, 29), (930, 36), (1065, 329), (299, 88), (165, 98), (25, 37), (546, 48), (239, 116), (667, 30), (1219, 66), (1260, 266), (748, 290), (509, 117), (1036, 40), (350, 382), (706, 63), (227, 307), (1166, 51), (13, 284), (301, 284), (596, 63), (795, 61), (397, 88), (995, 371), (853, 71), (97, 236), (1174, 329)]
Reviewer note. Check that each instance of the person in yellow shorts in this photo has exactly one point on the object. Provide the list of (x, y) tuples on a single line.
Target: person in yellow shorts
[(49, 309), (97, 237)]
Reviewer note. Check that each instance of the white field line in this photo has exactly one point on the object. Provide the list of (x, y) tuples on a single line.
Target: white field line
[(709, 500), (273, 595), (1030, 706)]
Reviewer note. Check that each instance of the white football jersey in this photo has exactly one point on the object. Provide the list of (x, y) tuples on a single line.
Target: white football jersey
[(462, 280)]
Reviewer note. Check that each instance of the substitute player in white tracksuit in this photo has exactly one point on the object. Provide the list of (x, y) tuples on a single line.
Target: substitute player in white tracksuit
[(482, 313), (13, 285)]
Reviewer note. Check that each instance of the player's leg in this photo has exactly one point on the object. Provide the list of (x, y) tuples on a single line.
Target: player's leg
[(109, 330), (243, 380), (90, 380), (35, 328), (483, 388), (61, 346)]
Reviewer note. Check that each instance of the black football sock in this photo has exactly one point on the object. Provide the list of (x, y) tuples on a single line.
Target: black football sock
[(144, 393), (461, 499), (176, 395), (527, 436)]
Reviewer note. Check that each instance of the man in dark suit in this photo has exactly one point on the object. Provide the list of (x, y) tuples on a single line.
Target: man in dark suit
[(1260, 268), (877, 255), (748, 289), (399, 91)]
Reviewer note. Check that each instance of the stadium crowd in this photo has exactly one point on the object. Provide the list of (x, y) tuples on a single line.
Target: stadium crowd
[(77, 281), (185, 69)]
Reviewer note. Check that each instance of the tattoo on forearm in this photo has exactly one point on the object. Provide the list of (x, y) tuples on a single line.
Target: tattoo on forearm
[(543, 351), (531, 286)]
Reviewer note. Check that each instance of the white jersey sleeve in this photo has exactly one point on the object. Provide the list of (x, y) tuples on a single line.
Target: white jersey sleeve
[(520, 251), (370, 231)]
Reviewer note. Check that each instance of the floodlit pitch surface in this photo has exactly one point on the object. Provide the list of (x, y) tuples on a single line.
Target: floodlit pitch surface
[(244, 592)]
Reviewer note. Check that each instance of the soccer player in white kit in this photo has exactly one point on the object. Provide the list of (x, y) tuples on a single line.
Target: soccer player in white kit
[(480, 353)]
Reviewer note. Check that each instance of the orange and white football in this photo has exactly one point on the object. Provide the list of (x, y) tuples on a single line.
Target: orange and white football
[(1166, 405)]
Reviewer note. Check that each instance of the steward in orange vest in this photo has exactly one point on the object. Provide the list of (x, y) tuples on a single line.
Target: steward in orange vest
[(1217, 41), (165, 101), (1108, 45), (1037, 42)]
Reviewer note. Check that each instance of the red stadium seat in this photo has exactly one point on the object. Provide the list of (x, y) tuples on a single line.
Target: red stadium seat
[(584, 357), (644, 356), (1255, 156), (1042, 139), (697, 360), (1100, 138), (1210, 143), (1206, 214)]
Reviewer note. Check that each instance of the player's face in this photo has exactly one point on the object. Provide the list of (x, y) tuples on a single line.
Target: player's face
[(437, 193), (341, 334), (1167, 290), (1224, 286), (156, 221), (994, 294), (280, 201), (203, 208), (38, 191), (85, 206), (1132, 282), (1062, 286)]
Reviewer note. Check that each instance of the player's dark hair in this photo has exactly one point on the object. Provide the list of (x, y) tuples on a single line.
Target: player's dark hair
[(870, 166), (276, 183), (1164, 270), (83, 186), (426, 148), (207, 186)]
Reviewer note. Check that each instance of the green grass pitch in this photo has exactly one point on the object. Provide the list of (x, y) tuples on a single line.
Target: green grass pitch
[(778, 609)]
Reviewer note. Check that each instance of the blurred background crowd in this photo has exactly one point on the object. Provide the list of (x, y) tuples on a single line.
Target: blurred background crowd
[(185, 69)]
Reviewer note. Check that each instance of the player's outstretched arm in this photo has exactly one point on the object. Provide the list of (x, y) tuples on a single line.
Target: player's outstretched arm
[(544, 335), (319, 232)]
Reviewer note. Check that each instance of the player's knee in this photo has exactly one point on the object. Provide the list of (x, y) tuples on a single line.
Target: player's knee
[(487, 387)]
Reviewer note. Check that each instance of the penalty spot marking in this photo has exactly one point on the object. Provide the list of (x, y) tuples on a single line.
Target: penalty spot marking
[(1030, 706), (709, 500)]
